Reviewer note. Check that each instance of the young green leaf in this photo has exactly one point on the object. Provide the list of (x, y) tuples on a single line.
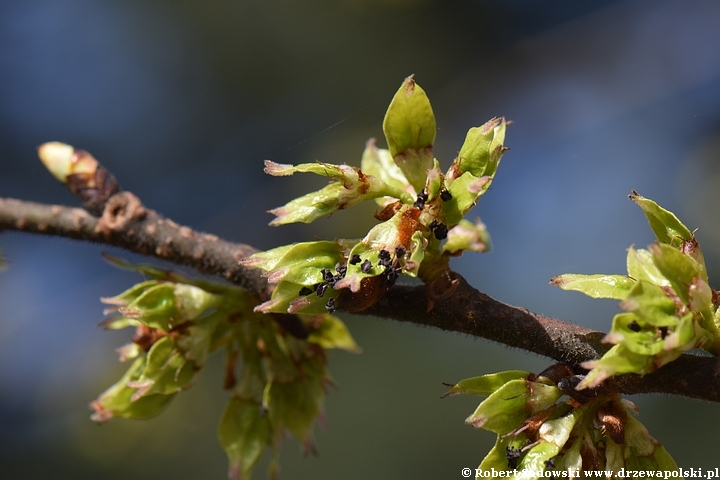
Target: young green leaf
[(596, 286), (469, 236), (486, 384), (409, 127), (332, 333), (244, 431), (668, 229), (482, 150)]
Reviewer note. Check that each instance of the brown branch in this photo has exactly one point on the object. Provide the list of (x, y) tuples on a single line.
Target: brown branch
[(456, 306), (128, 224), (465, 310)]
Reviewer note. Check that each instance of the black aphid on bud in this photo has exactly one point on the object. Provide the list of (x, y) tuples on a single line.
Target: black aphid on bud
[(366, 266), (305, 291), (445, 195), (391, 274), (320, 289), (421, 199), (384, 258), (634, 326), (355, 259), (341, 271), (400, 252), (330, 305), (441, 231), (513, 457), (327, 275)]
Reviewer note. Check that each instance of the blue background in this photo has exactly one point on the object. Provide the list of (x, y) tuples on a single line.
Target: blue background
[(183, 101)]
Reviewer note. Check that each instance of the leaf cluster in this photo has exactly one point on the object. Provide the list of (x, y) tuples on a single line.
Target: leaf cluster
[(541, 428), (668, 305), (278, 383), (420, 218)]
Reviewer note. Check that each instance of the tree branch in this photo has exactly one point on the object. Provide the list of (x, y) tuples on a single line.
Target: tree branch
[(126, 223), (453, 305)]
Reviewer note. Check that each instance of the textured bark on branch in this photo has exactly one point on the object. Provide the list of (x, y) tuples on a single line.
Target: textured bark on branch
[(454, 306)]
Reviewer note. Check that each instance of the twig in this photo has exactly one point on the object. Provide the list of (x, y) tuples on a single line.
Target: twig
[(455, 307), (128, 224)]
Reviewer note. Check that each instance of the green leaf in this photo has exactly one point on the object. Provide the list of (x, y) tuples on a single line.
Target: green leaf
[(192, 301), (409, 128), (507, 407), (296, 405), (503, 410), (117, 401), (155, 307), (480, 154), (244, 431), (572, 459), (596, 286), (332, 333), (485, 384), (379, 163), (651, 304), (268, 259), (553, 436), (352, 187), (435, 182), (468, 236), (202, 337), (619, 359), (677, 267), (668, 229), (299, 263), (465, 191), (286, 298), (130, 294), (166, 371), (556, 432), (641, 266), (646, 341)]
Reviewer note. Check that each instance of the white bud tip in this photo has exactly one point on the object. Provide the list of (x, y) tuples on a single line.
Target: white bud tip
[(57, 158)]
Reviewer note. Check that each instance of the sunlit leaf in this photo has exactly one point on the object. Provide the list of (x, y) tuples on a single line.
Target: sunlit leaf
[(596, 286)]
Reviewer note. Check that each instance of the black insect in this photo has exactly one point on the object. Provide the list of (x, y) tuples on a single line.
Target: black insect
[(366, 266), (384, 258), (355, 259), (400, 252), (663, 332), (634, 326), (439, 229), (305, 291), (341, 271), (445, 195), (320, 289), (330, 305), (421, 199), (512, 455), (391, 274), (327, 275), (550, 464)]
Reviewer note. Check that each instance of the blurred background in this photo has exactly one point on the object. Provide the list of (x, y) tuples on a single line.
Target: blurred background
[(183, 100)]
